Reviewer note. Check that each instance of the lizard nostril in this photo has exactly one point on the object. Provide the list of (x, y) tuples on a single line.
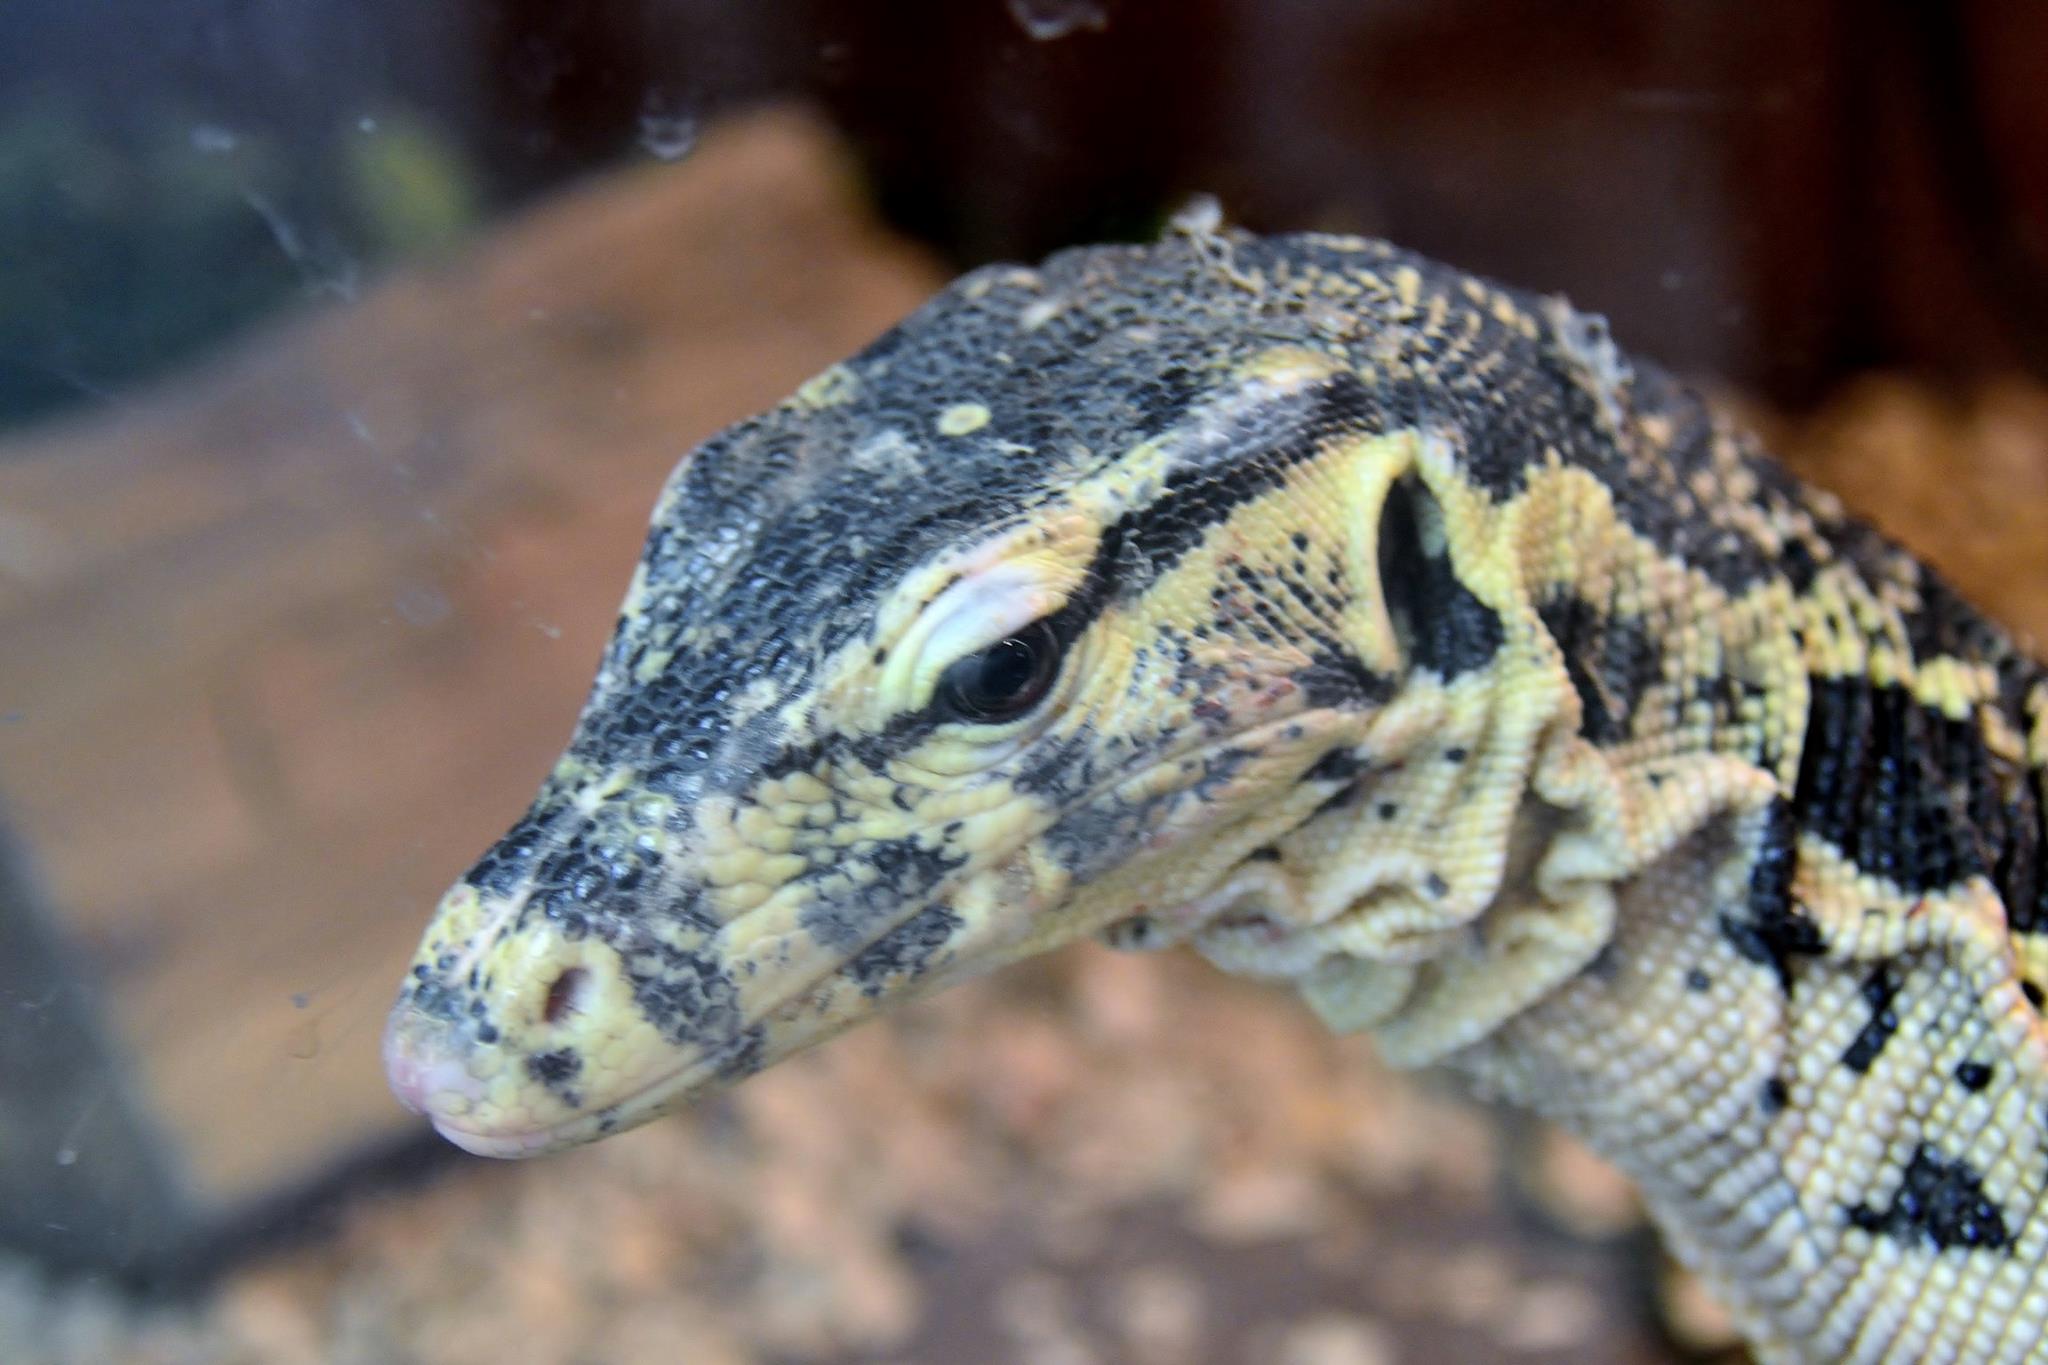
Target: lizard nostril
[(566, 995)]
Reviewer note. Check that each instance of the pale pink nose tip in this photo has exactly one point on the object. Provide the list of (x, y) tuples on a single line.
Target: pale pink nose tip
[(404, 1074), (419, 1063), (402, 1069)]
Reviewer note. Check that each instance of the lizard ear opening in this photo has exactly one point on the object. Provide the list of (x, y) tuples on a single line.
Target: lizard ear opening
[(1438, 623), (1400, 553)]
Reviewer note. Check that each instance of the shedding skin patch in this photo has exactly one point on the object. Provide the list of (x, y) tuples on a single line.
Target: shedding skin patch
[(1408, 644)]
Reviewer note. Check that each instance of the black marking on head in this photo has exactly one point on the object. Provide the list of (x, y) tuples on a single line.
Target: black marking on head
[(433, 996), (1973, 1076), (1438, 622), (1942, 1202), (906, 950), (1611, 660), (557, 1070), (1066, 765), (1091, 839), (594, 874), (1241, 463), (1775, 929), (2033, 993), (1774, 1097), (905, 872), (677, 720), (687, 995), (506, 865), (1696, 979), (1879, 992), (813, 755)]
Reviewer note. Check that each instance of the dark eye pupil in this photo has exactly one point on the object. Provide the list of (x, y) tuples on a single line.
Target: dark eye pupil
[(1006, 679)]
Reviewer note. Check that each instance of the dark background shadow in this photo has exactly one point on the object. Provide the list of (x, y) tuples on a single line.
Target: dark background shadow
[(1779, 195)]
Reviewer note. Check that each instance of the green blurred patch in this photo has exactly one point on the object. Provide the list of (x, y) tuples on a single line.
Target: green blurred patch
[(120, 255), (412, 191)]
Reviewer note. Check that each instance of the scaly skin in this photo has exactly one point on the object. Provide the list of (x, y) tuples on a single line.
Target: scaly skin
[(1412, 648)]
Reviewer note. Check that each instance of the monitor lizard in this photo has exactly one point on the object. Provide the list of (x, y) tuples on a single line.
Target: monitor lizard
[(1375, 629)]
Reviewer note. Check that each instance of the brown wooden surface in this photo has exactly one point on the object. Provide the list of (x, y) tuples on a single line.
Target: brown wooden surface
[(285, 642)]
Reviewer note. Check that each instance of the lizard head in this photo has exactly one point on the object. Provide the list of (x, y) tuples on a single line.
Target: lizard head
[(1050, 614)]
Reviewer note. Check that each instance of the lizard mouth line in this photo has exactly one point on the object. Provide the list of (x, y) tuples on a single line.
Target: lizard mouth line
[(619, 1115), (631, 1110)]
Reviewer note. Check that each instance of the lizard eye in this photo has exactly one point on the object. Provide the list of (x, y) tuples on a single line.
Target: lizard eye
[(1005, 680)]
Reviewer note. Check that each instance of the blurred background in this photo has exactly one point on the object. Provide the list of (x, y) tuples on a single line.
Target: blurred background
[(343, 347)]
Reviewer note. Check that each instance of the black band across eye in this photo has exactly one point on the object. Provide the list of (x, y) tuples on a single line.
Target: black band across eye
[(1005, 680)]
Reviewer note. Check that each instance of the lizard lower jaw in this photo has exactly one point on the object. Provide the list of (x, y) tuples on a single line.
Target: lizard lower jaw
[(512, 1142), (507, 1146)]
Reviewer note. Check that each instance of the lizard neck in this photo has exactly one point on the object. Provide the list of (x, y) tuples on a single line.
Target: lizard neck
[(1472, 867), (1727, 855), (1816, 998)]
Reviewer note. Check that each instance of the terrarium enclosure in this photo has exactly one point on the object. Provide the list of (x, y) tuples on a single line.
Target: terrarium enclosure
[(343, 350)]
